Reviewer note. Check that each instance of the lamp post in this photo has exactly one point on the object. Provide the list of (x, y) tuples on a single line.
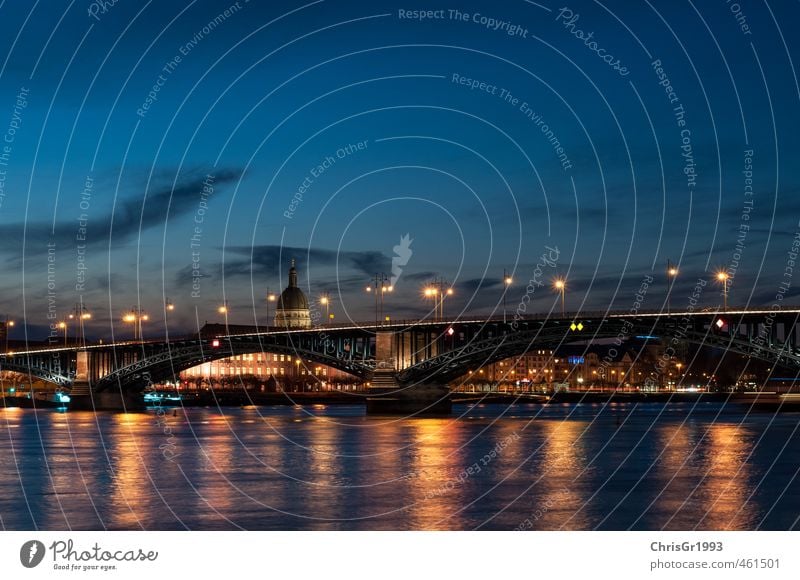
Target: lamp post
[(722, 277), (431, 292), (325, 300), (224, 310), (9, 326), (136, 316), (380, 285), (63, 326), (560, 285), (80, 314), (672, 272), (438, 290), (168, 307), (507, 281), (270, 298)]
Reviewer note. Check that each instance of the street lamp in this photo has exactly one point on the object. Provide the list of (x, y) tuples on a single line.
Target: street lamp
[(722, 277), (507, 281), (438, 290), (80, 314), (224, 310), (9, 325), (63, 326), (560, 285), (432, 293), (672, 272), (136, 316), (380, 285), (326, 301), (270, 298)]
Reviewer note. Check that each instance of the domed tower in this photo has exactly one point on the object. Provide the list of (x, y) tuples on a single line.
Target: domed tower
[(292, 310)]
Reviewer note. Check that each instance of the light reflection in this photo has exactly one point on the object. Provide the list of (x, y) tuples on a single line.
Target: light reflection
[(211, 468), (704, 478), (558, 496), (438, 486), (727, 485), (125, 466)]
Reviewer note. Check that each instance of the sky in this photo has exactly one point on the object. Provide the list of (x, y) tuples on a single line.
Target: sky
[(186, 152)]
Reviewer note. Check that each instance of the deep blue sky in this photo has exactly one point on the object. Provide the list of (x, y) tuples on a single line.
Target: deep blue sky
[(275, 88)]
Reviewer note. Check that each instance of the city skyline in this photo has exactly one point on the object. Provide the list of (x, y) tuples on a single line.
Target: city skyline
[(333, 266), (121, 183)]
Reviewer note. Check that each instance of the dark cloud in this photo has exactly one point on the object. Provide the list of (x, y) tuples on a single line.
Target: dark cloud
[(273, 259), (131, 216)]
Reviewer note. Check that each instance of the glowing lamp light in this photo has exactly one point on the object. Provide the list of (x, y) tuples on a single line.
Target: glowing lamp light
[(450, 331), (215, 343), (720, 323)]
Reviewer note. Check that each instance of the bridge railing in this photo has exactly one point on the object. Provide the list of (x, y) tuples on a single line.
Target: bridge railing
[(371, 326)]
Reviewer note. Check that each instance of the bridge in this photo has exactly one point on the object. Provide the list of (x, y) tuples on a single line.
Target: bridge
[(408, 363)]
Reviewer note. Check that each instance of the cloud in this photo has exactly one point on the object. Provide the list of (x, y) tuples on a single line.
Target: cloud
[(132, 216), (272, 259)]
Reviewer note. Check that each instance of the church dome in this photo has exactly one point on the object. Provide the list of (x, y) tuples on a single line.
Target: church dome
[(292, 308), (292, 299)]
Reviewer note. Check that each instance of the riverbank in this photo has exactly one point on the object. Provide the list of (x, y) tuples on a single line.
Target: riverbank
[(767, 402)]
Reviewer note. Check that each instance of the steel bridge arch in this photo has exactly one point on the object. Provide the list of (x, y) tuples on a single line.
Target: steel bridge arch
[(173, 360), (452, 364), (43, 373)]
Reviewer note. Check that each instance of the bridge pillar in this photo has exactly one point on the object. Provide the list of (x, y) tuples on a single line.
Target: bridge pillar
[(386, 396), (84, 398)]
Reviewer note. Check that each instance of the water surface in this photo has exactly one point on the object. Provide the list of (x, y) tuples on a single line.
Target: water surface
[(575, 467)]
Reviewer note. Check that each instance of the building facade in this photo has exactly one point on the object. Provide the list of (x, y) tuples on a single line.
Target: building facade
[(267, 372), (576, 368)]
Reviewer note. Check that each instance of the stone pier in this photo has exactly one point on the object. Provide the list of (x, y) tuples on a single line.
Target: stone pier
[(84, 398), (388, 397)]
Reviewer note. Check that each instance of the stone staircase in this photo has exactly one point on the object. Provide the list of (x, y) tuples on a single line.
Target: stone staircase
[(79, 388)]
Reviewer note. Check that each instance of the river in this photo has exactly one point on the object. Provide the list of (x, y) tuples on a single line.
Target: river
[(489, 467)]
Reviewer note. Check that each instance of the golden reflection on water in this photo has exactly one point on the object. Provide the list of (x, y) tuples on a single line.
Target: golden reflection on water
[(379, 474), (437, 476), (208, 465), (128, 467), (705, 477), (61, 485), (559, 497)]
